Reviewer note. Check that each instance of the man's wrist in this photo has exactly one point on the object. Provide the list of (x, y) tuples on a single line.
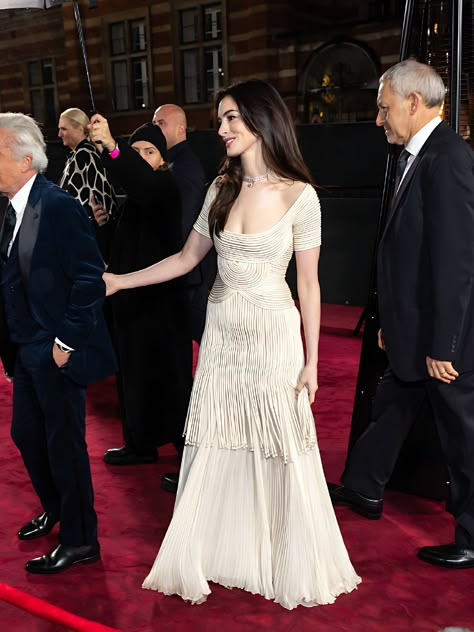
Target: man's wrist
[(62, 348)]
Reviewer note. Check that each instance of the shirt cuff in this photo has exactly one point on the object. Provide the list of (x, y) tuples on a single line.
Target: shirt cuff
[(62, 346)]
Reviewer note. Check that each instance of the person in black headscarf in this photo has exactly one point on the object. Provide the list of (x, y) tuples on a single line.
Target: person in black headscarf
[(150, 325)]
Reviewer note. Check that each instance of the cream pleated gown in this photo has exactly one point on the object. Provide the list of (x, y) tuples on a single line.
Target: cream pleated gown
[(252, 509)]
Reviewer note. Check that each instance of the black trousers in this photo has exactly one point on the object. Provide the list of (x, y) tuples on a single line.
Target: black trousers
[(396, 407), (48, 428), (154, 381)]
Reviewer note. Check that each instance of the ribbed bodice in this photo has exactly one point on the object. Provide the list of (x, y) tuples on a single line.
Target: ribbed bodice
[(255, 264)]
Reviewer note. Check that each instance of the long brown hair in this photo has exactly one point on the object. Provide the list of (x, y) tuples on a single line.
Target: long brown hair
[(266, 115)]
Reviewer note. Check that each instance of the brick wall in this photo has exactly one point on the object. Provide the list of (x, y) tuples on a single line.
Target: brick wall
[(272, 40)]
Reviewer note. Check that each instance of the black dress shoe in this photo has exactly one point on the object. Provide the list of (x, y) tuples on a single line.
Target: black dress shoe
[(62, 558), (448, 555), (170, 482), (370, 508), (126, 456), (41, 525)]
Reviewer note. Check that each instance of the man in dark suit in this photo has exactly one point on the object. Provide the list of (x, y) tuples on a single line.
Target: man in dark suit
[(425, 273), (52, 294), (189, 175)]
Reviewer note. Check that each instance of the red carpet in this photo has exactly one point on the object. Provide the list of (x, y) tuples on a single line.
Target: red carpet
[(398, 592)]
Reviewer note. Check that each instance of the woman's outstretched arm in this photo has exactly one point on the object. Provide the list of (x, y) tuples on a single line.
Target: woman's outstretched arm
[(195, 249)]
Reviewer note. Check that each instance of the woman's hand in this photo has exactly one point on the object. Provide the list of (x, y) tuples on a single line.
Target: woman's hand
[(99, 132), (308, 378), (111, 283)]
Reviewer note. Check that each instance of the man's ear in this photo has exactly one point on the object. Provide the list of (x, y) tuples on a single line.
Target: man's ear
[(26, 163), (415, 102)]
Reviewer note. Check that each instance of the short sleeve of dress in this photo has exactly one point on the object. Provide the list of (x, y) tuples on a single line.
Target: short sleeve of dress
[(307, 221), (202, 223)]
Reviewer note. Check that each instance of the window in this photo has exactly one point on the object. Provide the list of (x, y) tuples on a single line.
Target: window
[(41, 82), (213, 68), (128, 45), (189, 26), (201, 41), (191, 83), (212, 22)]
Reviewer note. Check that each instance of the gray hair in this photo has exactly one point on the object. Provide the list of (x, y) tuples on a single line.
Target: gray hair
[(26, 138), (410, 76)]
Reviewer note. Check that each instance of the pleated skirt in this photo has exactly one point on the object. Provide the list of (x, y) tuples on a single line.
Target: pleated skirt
[(252, 509)]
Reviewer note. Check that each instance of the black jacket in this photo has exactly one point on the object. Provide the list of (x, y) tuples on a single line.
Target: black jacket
[(62, 269), (190, 177), (426, 261), (148, 227)]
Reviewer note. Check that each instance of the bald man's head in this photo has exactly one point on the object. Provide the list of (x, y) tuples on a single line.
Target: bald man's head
[(172, 120)]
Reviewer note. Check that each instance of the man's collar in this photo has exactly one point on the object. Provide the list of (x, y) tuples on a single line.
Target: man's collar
[(415, 144), (20, 199), (176, 149)]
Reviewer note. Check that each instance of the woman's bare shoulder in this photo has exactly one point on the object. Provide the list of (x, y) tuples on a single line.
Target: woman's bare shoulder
[(291, 190)]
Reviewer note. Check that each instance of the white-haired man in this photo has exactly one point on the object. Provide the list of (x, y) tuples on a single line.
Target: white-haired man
[(425, 288), (52, 294)]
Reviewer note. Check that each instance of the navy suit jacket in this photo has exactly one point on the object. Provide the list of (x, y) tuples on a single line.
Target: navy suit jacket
[(425, 262), (61, 268)]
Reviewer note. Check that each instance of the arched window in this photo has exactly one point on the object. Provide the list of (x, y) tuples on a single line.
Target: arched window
[(340, 84)]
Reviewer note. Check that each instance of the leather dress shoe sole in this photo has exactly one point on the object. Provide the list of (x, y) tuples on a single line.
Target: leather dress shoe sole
[(448, 556), (169, 482), (41, 525), (125, 456), (370, 508), (62, 558)]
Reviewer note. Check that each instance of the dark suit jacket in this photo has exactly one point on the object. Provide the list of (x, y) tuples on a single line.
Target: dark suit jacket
[(426, 261), (189, 174), (191, 179), (62, 269)]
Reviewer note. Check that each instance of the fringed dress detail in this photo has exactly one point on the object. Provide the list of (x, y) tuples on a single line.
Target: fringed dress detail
[(253, 509)]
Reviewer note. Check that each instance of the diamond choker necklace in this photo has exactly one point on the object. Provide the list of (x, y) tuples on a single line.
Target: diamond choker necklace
[(251, 181)]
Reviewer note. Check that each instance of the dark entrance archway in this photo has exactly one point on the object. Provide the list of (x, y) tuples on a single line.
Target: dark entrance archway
[(340, 83)]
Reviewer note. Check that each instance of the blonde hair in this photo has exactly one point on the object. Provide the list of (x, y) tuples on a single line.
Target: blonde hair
[(77, 118)]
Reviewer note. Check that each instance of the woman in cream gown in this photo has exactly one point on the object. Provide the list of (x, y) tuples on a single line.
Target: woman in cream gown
[(252, 509)]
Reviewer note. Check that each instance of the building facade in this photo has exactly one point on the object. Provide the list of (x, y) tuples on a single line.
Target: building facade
[(324, 56)]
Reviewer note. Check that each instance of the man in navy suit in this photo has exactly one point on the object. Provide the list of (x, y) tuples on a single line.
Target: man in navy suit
[(425, 284), (52, 294)]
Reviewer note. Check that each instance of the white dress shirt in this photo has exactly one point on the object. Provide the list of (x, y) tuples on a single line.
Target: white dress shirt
[(19, 202), (415, 144)]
